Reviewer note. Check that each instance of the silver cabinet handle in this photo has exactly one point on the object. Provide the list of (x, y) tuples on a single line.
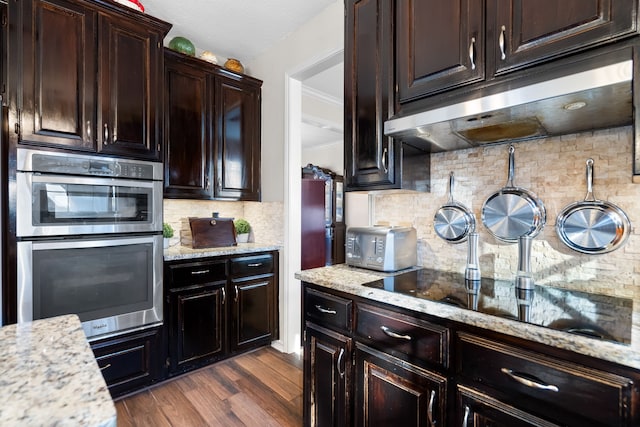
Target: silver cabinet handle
[(393, 334), (472, 53), (432, 399), (384, 160), (207, 184), (224, 296), (235, 299), (114, 137), (197, 272), (339, 363), (106, 134), (89, 130), (528, 382), (465, 419), (108, 365), (325, 310), (257, 264), (501, 42)]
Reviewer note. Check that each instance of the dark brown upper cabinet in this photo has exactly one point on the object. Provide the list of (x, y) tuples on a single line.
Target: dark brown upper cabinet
[(188, 129), (237, 137), (445, 45), (440, 45), (90, 75), (212, 131), (372, 160)]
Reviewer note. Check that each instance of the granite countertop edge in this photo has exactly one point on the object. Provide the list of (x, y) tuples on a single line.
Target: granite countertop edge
[(350, 280), (182, 252), (50, 376)]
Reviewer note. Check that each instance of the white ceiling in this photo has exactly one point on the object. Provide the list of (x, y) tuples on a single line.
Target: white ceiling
[(244, 29), (240, 29)]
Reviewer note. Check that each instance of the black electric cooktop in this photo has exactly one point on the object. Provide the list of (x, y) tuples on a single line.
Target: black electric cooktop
[(596, 316)]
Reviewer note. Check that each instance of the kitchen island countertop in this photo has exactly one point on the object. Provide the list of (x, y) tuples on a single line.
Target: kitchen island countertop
[(182, 252), (350, 280), (49, 376)]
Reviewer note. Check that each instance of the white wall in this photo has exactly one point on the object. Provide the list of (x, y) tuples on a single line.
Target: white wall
[(321, 35), (328, 156)]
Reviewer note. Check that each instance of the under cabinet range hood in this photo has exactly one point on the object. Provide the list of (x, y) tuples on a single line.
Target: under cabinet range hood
[(597, 98)]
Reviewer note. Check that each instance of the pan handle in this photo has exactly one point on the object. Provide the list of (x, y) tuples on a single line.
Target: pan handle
[(512, 166), (451, 184), (590, 197)]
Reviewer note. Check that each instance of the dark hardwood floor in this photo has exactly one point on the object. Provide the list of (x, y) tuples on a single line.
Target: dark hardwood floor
[(262, 388)]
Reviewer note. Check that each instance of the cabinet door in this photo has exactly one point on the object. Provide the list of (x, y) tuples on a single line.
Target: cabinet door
[(475, 409), (58, 74), (188, 146), (372, 160), (392, 392), (197, 325), (251, 313), (129, 362), (237, 132), (130, 76), (327, 378), (529, 31), (439, 45)]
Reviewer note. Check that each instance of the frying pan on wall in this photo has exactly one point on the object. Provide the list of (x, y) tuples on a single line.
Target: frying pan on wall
[(453, 221), (512, 212), (592, 226)]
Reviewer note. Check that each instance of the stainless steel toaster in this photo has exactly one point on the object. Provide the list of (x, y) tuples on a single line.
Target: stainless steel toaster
[(381, 248)]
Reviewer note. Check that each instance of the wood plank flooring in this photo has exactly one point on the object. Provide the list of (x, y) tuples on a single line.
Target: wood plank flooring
[(262, 388)]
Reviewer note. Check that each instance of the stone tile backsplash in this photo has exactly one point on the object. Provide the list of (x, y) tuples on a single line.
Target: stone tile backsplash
[(267, 226), (554, 169)]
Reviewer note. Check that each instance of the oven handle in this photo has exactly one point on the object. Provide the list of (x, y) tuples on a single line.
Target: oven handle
[(84, 180)]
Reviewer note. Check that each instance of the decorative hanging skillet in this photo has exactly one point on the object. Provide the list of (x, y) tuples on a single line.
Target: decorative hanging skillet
[(512, 212), (592, 226), (453, 221)]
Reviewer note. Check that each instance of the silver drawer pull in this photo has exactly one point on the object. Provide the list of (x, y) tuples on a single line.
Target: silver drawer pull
[(339, 363), (108, 365), (432, 398), (325, 310), (393, 334), (195, 273), (257, 264), (529, 382)]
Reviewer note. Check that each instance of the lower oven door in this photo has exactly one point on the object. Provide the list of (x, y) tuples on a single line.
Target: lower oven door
[(112, 284)]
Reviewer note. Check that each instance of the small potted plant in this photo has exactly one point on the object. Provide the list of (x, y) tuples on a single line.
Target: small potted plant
[(167, 233), (242, 230)]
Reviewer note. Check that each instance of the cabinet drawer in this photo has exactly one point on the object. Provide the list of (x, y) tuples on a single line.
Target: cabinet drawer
[(195, 273), (399, 335), (541, 383), (251, 265), (328, 310)]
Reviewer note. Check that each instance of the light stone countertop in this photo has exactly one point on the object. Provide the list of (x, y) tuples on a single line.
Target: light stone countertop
[(350, 280), (182, 252), (49, 376)]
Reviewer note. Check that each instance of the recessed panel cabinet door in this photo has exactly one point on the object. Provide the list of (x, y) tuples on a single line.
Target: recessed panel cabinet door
[(372, 160), (251, 317), (188, 148), (392, 392), (237, 110), (528, 31), (440, 45), (130, 72), (58, 74)]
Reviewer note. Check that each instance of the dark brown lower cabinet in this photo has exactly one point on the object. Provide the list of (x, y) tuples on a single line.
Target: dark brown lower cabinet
[(219, 306), (197, 322), (369, 363), (476, 409), (129, 362), (251, 313), (390, 392), (327, 377)]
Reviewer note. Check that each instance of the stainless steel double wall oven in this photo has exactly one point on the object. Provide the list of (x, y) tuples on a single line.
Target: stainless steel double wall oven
[(89, 235)]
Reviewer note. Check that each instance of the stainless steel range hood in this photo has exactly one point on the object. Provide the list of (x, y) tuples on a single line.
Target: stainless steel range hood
[(593, 99)]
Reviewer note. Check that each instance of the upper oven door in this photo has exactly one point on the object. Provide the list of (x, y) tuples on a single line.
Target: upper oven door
[(55, 205)]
